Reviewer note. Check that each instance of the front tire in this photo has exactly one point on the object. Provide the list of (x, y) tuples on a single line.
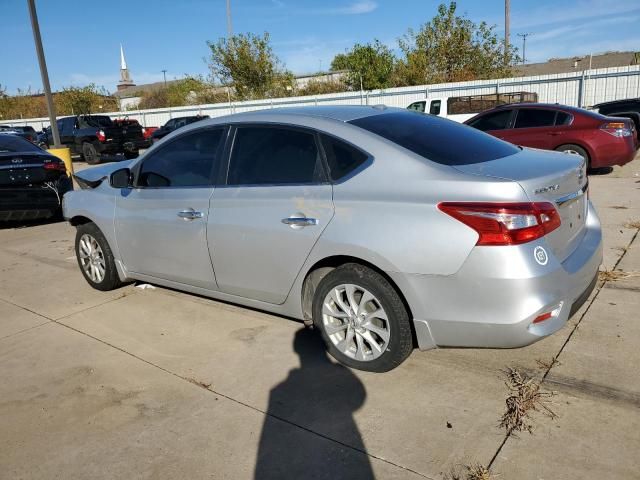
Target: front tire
[(362, 319), (95, 258)]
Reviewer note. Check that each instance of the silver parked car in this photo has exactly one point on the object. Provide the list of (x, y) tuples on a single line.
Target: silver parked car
[(383, 228)]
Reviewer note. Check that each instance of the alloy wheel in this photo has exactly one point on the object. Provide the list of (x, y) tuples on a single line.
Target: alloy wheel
[(91, 258), (355, 322)]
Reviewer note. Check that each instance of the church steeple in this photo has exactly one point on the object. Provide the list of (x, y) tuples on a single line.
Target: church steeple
[(125, 77)]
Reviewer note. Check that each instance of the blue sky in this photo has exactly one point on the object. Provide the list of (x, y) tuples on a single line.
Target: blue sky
[(82, 38)]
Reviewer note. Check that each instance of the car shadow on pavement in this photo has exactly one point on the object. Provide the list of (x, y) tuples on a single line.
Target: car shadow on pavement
[(15, 224), (320, 396)]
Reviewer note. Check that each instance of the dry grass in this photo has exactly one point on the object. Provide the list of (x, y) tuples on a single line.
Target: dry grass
[(547, 365), (525, 397), (613, 275), (475, 471), (633, 224)]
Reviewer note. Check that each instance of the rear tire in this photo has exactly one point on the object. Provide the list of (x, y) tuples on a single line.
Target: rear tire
[(90, 154), (95, 258), (362, 319), (569, 147)]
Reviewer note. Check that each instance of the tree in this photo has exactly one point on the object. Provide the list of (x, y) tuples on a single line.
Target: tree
[(191, 90), (247, 62), (320, 87), (84, 100), (452, 48), (374, 63)]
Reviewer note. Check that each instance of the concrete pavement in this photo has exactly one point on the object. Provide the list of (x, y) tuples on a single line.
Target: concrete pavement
[(161, 384)]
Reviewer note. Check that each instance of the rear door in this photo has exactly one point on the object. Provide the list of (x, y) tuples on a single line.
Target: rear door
[(535, 127), (265, 221), (161, 225)]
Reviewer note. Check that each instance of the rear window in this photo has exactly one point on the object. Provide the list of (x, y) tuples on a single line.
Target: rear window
[(439, 140), (98, 121), (16, 144)]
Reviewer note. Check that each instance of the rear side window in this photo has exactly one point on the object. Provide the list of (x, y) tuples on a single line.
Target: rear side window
[(342, 158), (434, 109), (535, 117), (439, 140), (268, 156), (492, 121), (563, 118), (187, 161)]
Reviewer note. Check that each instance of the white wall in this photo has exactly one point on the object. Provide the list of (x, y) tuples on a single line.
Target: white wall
[(576, 88)]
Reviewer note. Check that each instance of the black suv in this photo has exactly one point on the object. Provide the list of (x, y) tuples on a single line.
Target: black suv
[(97, 137), (174, 124)]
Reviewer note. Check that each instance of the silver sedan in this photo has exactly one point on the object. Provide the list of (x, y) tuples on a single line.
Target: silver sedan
[(385, 229)]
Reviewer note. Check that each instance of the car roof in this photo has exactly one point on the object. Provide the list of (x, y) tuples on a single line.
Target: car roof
[(552, 106), (617, 102), (342, 113)]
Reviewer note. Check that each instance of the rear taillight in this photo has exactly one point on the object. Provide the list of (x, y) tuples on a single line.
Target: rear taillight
[(505, 223), (56, 165), (101, 136), (617, 129)]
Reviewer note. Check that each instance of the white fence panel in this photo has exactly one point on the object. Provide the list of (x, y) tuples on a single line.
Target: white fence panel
[(584, 88)]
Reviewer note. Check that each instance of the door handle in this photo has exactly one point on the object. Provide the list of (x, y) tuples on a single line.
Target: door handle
[(554, 134), (190, 214), (294, 222)]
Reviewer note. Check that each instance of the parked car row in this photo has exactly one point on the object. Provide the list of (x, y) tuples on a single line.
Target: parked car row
[(370, 223)]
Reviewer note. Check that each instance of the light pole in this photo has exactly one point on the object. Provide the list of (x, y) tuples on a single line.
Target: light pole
[(164, 75), (229, 25), (524, 45), (507, 21), (51, 109)]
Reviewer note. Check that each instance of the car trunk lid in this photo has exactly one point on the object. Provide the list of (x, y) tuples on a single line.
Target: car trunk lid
[(553, 177), (23, 169)]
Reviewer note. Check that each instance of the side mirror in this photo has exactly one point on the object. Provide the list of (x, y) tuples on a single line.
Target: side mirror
[(121, 178)]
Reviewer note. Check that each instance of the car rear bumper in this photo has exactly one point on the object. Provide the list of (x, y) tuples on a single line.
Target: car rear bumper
[(613, 151), (498, 292), (29, 203)]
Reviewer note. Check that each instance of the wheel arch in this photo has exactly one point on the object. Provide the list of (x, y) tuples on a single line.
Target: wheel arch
[(580, 144), (79, 220), (322, 267)]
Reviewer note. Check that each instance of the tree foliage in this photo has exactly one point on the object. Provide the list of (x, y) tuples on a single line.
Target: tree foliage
[(374, 63), (320, 87), (191, 90), (247, 62), (452, 48)]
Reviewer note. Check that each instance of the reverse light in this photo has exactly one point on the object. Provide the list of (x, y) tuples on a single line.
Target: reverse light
[(101, 136), (617, 129), (547, 315), (505, 223)]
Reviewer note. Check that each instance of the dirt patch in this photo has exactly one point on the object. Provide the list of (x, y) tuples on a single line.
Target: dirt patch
[(475, 471), (633, 224), (526, 397), (247, 335), (613, 275)]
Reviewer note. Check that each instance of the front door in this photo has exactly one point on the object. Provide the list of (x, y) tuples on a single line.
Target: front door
[(161, 224), (265, 221)]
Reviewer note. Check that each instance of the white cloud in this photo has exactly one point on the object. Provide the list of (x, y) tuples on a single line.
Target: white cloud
[(355, 8), (583, 9)]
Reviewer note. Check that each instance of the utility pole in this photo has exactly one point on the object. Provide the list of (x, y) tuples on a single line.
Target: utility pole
[(164, 75), (44, 73), (524, 45), (229, 25), (507, 22)]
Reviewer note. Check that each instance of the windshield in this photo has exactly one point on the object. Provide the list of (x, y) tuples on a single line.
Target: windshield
[(436, 139), (15, 144)]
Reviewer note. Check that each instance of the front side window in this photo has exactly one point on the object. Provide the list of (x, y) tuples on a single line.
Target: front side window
[(268, 155), (535, 117), (435, 107), (342, 158), (492, 121), (187, 161), (417, 106)]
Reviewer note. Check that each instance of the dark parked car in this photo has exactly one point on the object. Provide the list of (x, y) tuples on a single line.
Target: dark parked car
[(25, 132), (174, 124), (601, 141), (629, 108), (32, 181), (97, 137)]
